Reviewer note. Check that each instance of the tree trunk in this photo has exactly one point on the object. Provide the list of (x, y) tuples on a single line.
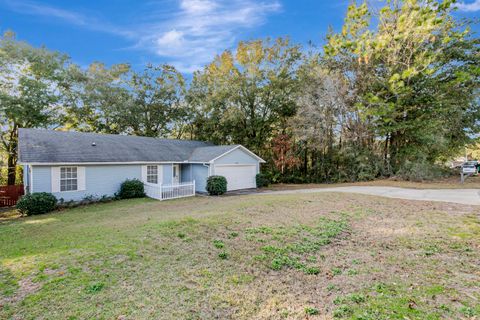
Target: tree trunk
[(305, 161), (12, 169), (12, 157), (393, 151), (386, 156)]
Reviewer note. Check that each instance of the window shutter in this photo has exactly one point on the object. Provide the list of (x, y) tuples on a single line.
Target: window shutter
[(81, 183), (160, 174), (55, 179), (144, 174)]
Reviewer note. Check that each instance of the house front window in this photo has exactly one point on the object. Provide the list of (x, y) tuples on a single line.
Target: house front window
[(68, 179), (152, 174)]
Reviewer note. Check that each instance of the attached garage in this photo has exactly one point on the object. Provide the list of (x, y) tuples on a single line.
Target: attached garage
[(239, 166)]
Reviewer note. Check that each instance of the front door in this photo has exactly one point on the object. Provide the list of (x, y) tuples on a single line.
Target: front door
[(176, 174)]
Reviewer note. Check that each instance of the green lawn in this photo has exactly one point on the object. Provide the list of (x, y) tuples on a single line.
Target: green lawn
[(315, 256)]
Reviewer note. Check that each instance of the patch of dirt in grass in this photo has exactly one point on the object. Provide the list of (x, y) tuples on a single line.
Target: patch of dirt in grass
[(26, 286), (8, 214)]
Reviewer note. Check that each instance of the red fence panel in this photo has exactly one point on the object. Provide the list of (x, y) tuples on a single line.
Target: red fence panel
[(10, 194)]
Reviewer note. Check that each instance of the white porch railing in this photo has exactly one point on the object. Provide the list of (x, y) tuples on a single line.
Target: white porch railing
[(171, 191)]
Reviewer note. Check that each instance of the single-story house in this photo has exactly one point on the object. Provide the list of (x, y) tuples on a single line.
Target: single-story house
[(73, 165)]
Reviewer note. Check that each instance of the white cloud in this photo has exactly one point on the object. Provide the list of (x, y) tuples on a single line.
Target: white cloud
[(198, 6), (469, 7), (188, 35), (202, 28), (172, 39), (43, 10), (74, 18)]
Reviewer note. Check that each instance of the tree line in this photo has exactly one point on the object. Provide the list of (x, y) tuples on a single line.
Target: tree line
[(395, 92)]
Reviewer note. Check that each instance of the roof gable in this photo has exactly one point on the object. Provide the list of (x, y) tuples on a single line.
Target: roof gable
[(243, 150)]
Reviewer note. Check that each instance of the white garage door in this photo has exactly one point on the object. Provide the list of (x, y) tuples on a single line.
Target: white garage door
[(238, 176)]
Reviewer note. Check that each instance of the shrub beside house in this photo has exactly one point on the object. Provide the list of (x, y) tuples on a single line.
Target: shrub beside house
[(216, 185)]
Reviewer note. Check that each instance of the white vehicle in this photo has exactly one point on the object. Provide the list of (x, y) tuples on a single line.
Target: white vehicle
[(469, 168)]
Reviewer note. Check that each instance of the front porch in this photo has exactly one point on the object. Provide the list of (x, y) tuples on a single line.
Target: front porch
[(171, 181), (170, 191)]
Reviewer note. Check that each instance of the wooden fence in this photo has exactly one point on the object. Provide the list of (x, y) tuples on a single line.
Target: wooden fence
[(10, 194)]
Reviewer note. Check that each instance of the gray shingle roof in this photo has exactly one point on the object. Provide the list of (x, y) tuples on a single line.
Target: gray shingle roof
[(49, 146)]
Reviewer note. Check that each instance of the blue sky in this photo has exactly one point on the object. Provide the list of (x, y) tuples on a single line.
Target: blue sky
[(185, 33)]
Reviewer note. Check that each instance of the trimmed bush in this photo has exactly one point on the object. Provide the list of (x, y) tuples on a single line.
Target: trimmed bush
[(262, 180), (36, 203), (216, 185), (131, 189)]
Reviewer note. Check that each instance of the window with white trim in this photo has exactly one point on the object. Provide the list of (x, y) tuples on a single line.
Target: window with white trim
[(152, 174), (68, 179)]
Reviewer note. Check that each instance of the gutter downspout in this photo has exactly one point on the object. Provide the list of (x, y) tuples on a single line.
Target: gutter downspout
[(29, 179), (209, 168)]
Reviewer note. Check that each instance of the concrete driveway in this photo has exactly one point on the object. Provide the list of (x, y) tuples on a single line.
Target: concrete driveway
[(462, 196)]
